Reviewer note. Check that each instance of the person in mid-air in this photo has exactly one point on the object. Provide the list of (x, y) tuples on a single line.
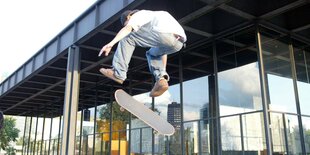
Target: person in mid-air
[(155, 29)]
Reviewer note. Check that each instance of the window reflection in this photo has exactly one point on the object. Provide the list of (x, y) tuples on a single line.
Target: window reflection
[(306, 130), (285, 130), (239, 90), (196, 99), (302, 63), (277, 65)]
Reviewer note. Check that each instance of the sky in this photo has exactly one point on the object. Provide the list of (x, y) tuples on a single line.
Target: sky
[(28, 25)]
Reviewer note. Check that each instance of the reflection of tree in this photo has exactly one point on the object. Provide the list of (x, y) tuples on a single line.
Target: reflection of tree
[(189, 141), (175, 143), (294, 140), (307, 138), (119, 121), (117, 114), (228, 139)]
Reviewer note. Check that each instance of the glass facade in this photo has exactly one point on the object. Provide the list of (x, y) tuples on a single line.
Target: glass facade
[(221, 110)]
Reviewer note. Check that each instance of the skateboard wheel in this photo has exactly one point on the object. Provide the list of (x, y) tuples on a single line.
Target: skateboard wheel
[(122, 109)]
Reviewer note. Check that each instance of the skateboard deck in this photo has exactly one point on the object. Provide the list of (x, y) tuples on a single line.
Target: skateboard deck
[(143, 113)]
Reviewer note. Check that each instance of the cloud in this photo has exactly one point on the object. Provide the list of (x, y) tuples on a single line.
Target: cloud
[(238, 86)]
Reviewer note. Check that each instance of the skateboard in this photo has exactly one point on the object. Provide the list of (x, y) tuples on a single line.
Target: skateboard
[(145, 114)]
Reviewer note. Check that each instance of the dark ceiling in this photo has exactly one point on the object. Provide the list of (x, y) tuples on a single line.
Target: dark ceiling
[(204, 21)]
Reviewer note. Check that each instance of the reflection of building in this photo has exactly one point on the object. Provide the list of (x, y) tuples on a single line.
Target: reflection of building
[(174, 114), (204, 112)]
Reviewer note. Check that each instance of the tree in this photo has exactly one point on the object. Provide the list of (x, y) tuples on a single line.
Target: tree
[(117, 114), (8, 133)]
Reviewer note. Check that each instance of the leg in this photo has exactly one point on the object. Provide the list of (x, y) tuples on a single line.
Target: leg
[(124, 51), (122, 57), (120, 61), (164, 59), (157, 60)]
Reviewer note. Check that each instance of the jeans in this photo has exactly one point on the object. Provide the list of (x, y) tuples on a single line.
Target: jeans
[(160, 44)]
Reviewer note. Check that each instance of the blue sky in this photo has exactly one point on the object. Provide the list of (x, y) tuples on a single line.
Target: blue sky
[(26, 26)]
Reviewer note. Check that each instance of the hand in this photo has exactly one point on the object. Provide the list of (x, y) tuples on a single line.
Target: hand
[(106, 49)]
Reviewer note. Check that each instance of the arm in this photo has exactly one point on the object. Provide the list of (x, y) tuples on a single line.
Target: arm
[(120, 35)]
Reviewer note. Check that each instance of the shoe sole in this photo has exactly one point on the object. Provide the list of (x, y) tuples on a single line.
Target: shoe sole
[(111, 77)]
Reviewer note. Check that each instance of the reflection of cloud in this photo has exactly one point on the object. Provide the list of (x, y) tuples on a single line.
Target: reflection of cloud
[(162, 100), (245, 78), (190, 115), (238, 86)]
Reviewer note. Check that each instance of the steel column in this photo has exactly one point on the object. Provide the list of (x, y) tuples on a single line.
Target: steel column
[(81, 131), (71, 101), (24, 135), (42, 138), (59, 130), (294, 76), (264, 93), (35, 136), (241, 134), (29, 134), (285, 133), (50, 136), (181, 100), (95, 120), (215, 107)]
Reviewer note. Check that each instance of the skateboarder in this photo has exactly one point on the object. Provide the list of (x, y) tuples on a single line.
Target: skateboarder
[(155, 29)]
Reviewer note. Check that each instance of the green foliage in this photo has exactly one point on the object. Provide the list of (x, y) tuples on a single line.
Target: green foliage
[(307, 137), (8, 133), (117, 114), (10, 150)]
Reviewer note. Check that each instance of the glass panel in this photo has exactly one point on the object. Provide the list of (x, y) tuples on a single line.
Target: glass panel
[(78, 132), (120, 121), (205, 138), (32, 135), (26, 137), (306, 129), (285, 133), (196, 99), (192, 137), (253, 133), (136, 140), (171, 103), (88, 130), (302, 63), (238, 77), (103, 127), (231, 135), (102, 145), (141, 134), (293, 134), (196, 82), (277, 133), (47, 128), (54, 135), (278, 70)]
